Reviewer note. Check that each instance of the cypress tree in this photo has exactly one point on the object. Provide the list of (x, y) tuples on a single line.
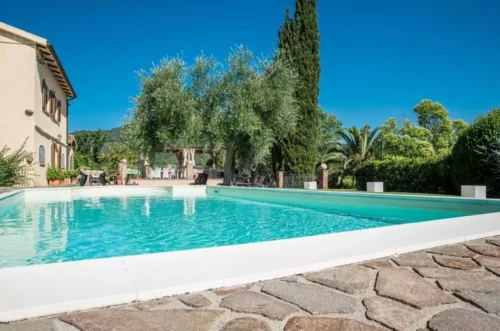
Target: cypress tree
[(299, 44)]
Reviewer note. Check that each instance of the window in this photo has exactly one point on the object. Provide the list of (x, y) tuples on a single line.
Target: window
[(53, 155), (63, 164), (60, 158), (52, 104), (59, 111), (41, 156), (44, 95)]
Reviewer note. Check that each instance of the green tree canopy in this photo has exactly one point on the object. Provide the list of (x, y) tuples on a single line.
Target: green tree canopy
[(91, 143), (241, 107), (408, 141), (257, 108), (117, 152), (299, 47), (434, 117)]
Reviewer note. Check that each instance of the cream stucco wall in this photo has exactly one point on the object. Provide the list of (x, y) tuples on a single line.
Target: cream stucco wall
[(21, 77), (48, 130), (17, 86)]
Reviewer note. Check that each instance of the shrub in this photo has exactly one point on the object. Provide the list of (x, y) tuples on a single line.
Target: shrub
[(348, 182), (84, 160), (471, 161), (14, 168), (54, 173), (70, 173), (420, 175)]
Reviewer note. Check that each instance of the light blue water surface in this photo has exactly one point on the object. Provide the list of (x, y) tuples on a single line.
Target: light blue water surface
[(38, 233)]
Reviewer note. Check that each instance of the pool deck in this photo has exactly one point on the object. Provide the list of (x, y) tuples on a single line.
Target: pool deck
[(451, 288)]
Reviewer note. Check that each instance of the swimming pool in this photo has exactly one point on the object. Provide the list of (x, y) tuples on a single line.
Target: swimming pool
[(83, 248), (35, 229)]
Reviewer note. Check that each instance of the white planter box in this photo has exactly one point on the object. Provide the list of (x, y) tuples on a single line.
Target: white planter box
[(310, 186), (472, 191), (375, 187)]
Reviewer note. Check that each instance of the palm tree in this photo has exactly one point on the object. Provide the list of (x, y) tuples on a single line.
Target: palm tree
[(357, 147), (360, 142)]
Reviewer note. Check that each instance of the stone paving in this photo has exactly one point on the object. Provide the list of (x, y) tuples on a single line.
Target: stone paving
[(451, 288)]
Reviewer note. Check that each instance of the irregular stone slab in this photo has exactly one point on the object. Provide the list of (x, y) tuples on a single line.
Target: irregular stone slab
[(195, 301), (144, 305), (471, 285), (350, 279), (390, 313), (440, 273), (406, 286), (379, 264), (484, 249), (290, 279), (456, 262), (31, 325), (489, 302), (246, 324), (313, 298), (414, 260), (136, 320), (463, 320), (257, 303), (454, 250), (232, 289), (495, 242), (488, 261), (496, 271), (326, 324)]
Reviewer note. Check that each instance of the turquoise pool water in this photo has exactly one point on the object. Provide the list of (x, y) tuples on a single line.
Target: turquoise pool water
[(90, 228)]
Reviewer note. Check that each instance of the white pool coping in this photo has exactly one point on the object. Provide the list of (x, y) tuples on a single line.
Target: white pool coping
[(37, 290)]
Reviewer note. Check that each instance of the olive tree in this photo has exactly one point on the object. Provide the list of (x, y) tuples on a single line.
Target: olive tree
[(241, 107), (256, 108), (164, 114)]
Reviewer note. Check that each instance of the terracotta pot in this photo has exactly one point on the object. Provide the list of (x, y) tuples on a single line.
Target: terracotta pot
[(66, 181), (54, 182), (74, 181)]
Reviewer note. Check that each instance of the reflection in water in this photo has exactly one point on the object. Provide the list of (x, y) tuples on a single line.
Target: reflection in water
[(146, 210), (35, 232), (123, 201), (189, 206)]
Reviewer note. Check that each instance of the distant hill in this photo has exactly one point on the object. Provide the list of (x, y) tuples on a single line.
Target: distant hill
[(112, 135)]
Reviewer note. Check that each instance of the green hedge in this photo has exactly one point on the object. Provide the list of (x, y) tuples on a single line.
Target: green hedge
[(471, 156), (423, 175)]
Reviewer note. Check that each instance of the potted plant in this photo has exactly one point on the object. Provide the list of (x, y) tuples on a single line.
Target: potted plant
[(54, 176), (71, 175), (65, 177)]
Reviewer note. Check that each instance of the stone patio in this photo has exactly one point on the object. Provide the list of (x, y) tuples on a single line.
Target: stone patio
[(452, 288)]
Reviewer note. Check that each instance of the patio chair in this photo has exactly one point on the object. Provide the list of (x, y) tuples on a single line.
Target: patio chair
[(258, 181), (201, 179), (240, 181), (83, 178)]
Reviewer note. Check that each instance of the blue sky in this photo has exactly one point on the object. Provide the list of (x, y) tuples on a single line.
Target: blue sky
[(378, 58)]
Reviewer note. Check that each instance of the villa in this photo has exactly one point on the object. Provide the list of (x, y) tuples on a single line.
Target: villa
[(34, 101)]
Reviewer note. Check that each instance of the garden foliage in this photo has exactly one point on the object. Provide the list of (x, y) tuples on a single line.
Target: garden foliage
[(399, 174), (14, 168), (472, 161)]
